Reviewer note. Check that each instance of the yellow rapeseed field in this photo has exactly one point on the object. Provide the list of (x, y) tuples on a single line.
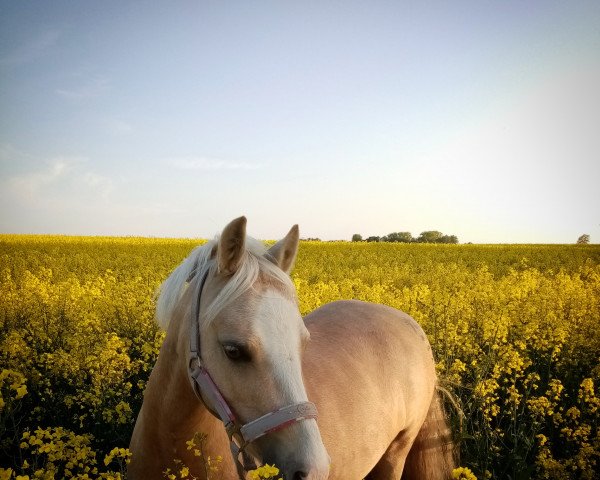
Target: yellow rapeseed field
[(515, 330)]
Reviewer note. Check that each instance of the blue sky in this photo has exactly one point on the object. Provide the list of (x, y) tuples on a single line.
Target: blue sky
[(479, 119)]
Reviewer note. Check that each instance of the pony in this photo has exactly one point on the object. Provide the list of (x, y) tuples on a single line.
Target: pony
[(348, 392)]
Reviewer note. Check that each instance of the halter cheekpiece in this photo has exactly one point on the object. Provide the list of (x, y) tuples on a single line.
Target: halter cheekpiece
[(240, 435)]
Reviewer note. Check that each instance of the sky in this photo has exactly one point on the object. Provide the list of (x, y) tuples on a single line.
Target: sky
[(168, 119)]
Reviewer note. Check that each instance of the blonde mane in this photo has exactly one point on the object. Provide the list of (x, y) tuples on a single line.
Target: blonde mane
[(254, 261)]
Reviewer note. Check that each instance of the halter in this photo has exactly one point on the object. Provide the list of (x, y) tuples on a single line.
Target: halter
[(240, 435)]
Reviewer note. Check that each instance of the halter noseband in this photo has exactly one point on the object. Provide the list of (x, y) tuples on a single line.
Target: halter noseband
[(240, 435)]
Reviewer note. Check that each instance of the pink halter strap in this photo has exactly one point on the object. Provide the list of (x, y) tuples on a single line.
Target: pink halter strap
[(207, 391)]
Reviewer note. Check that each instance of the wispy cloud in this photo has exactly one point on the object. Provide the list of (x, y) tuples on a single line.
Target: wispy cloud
[(30, 50), (210, 164), (119, 127), (102, 184), (29, 184), (89, 88), (60, 179), (10, 154)]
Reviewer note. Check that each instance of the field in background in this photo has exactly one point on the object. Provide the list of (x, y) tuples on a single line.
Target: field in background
[(515, 331)]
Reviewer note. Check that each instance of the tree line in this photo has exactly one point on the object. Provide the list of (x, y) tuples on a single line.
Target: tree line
[(431, 236)]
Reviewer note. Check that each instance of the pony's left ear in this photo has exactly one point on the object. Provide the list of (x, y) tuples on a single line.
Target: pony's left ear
[(231, 246), (283, 253)]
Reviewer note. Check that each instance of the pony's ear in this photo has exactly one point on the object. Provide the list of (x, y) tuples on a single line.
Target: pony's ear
[(231, 246), (283, 253)]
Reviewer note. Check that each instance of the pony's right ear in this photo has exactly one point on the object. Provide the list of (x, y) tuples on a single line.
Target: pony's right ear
[(283, 253), (231, 246)]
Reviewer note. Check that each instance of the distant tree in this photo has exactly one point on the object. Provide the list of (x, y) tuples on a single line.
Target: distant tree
[(584, 239), (448, 239), (432, 236), (399, 237)]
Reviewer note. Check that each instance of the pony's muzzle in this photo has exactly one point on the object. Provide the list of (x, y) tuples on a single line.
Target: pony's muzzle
[(306, 460), (306, 472)]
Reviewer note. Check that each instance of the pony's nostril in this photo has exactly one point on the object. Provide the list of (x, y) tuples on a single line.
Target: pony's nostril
[(300, 476)]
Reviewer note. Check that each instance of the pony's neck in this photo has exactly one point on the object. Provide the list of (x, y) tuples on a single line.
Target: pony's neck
[(173, 414)]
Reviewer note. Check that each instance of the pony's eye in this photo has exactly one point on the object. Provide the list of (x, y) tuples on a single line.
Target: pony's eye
[(235, 352)]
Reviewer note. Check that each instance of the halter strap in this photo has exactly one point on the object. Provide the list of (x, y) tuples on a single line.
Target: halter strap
[(202, 382), (205, 389)]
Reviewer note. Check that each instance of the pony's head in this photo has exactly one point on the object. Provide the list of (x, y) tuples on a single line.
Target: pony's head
[(252, 338)]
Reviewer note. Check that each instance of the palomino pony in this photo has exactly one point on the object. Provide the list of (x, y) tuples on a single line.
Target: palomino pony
[(237, 352)]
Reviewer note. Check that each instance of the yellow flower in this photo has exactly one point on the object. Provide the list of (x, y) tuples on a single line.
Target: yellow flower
[(463, 473), (21, 392), (6, 473), (266, 471)]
